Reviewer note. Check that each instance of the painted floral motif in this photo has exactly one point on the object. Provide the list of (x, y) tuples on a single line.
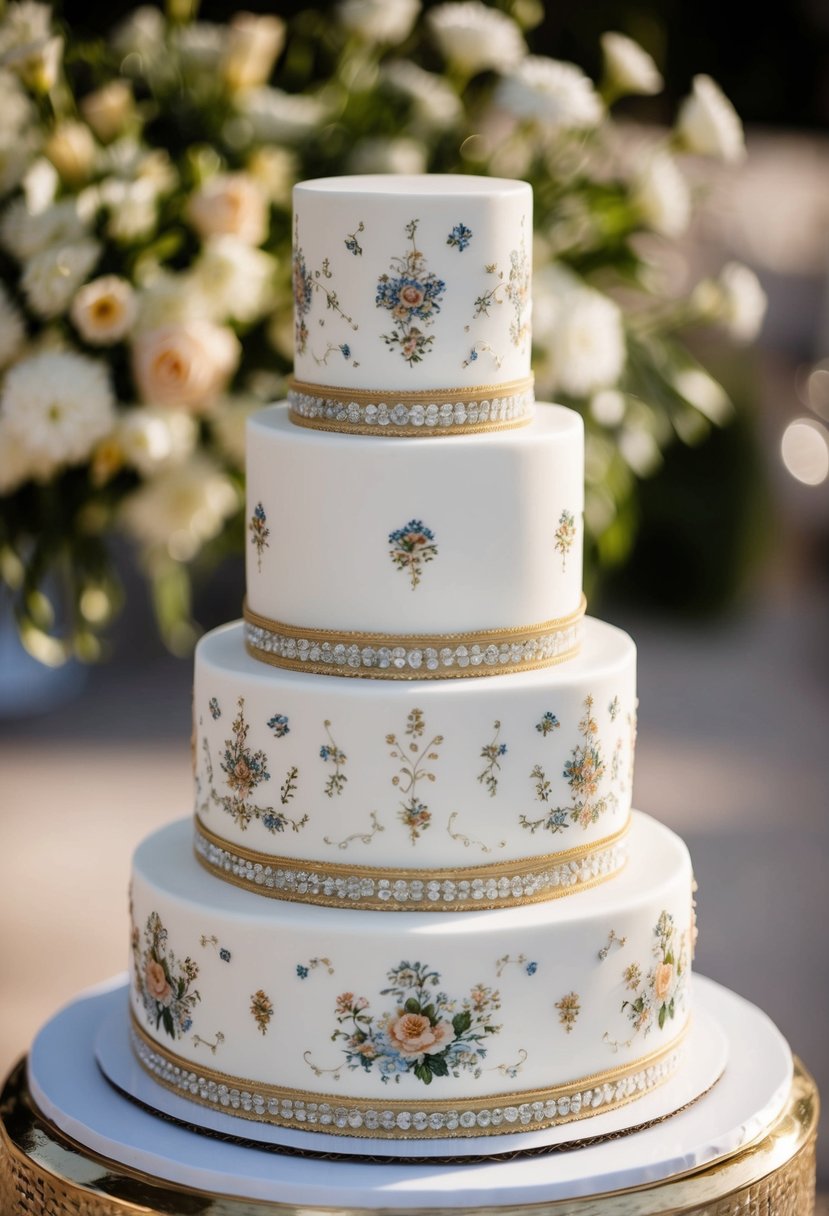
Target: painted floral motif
[(613, 709), (549, 722), (413, 295), (259, 533), (492, 753), (215, 711), (342, 348), (656, 995), (482, 348), (520, 960), (261, 1008), (613, 939), (331, 754), (512, 288), (305, 283), (164, 984), (213, 1046), (426, 1033), (245, 771), (583, 772), (222, 951), (352, 244), (303, 970), (459, 237), (279, 725), (412, 546), (413, 813), (565, 535), (554, 819), (569, 1009)]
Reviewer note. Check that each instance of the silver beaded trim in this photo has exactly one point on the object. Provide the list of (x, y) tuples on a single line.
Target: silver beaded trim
[(421, 417), (411, 662), (296, 882), (404, 1122)]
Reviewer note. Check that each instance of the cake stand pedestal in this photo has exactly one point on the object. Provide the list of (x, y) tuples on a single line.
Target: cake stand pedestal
[(72, 1144)]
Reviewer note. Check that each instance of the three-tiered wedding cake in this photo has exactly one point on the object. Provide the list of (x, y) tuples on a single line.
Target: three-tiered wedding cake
[(419, 904)]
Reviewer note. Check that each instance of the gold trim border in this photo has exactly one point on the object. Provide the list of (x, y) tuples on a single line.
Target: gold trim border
[(483, 649), (338, 1115), (512, 393), (338, 885)]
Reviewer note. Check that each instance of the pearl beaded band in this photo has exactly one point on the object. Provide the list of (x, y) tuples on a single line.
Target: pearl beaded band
[(502, 884), (393, 1119), (412, 414), (388, 656)]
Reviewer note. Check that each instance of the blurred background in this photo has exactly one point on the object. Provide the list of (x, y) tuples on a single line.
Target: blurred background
[(713, 553)]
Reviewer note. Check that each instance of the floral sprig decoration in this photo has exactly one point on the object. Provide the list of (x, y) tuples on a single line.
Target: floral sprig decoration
[(146, 257)]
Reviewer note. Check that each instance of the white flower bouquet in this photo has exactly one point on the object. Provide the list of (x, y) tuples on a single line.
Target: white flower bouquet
[(145, 246)]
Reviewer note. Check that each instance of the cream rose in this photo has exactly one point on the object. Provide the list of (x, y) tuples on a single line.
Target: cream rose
[(708, 123), (109, 109), (253, 46), (230, 204), (186, 365), (414, 1035), (663, 979), (157, 985), (71, 149), (104, 310)]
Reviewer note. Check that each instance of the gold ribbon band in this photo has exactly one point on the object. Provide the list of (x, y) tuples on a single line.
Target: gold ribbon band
[(406, 414), (396, 1119), (389, 656), (503, 884)]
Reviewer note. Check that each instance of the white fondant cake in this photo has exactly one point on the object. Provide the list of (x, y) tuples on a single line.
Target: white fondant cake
[(418, 536), (372, 1009), (370, 939), (412, 283), (381, 776)]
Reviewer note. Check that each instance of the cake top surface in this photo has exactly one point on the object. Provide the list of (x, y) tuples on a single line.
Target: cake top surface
[(417, 185)]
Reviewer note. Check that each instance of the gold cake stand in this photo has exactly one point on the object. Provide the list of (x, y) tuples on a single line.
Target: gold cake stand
[(45, 1173)]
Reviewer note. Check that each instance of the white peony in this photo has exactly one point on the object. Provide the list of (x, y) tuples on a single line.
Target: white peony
[(275, 170), (24, 232), (12, 329), (709, 124), (475, 38), (556, 95), (628, 67), (387, 22), (580, 330), (28, 47), (104, 310), (229, 204), (744, 302), (277, 116), (15, 106), (57, 405), (109, 109), (71, 149), (51, 278), (169, 299), (234, 279), (388, 156), (180, 509), (153, 439), (434, 101), (184, 366), (132, 208), (16, 149), (252, 46), (661, 194)]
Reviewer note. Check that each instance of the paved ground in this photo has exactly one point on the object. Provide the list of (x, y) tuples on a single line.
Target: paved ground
[(733, 753)]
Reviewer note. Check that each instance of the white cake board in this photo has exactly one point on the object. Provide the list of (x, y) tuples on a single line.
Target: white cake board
[(70, 1090), (705, 1055)]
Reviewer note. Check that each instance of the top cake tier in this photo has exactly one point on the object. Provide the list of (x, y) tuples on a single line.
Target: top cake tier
[(412, 284)]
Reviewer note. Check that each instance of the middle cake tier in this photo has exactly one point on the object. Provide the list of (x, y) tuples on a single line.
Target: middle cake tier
[(439, 536), (435, 795)]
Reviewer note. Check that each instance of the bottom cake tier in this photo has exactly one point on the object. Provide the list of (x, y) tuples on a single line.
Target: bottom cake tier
[(402, 1025)]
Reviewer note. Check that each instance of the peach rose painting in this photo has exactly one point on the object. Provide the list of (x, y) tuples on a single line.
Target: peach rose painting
[(163, 985), (658, 994), (426, 1033)]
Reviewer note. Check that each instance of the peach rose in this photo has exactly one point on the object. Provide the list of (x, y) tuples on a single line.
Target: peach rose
[(103, 311), (414, 1035), (157, 985), (184, 365), (663, 979), (411, 296), (230, 204)]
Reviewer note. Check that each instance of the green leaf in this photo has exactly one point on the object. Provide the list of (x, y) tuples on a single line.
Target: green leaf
[(461, 1022), (423, 1073), (430, 1013), (663, 1013), (438, 1065), (412, 1005)]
